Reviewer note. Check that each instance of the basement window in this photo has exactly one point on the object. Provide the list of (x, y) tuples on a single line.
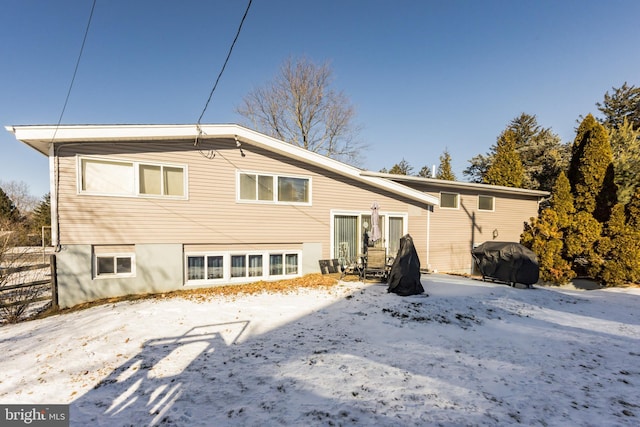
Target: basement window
[(114, 265), (114, 261)]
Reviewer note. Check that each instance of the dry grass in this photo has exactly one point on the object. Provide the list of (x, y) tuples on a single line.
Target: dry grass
[(314, 281)]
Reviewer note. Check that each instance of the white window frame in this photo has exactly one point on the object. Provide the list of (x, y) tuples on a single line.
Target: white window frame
[(114, 255), (162, 167), (386, 214), (136, 178), (457, 200), (493, 203), (276, 178), (226, 266)]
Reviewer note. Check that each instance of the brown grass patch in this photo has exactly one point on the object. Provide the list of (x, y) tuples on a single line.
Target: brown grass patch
[(314, 281)]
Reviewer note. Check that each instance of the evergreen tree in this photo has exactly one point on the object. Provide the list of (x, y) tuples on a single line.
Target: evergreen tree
[(591, 170), (8, 210), (545, 235), (444, 169), (425, 172), (477, 170), (625, 146), (619, 249), (542, 154), (632, 211), (623, 103), (506, 169), (545, 238), (41, 216), (541, 151), (562, 201), (402, 168), (580, 241)]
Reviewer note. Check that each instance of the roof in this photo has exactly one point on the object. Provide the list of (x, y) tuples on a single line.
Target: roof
[(458, 185), (41, 137)]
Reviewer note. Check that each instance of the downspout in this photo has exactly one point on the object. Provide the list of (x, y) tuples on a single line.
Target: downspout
[(429, 209), (54, 176)]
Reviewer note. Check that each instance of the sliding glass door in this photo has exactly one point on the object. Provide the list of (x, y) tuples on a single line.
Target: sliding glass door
[(349, 231)]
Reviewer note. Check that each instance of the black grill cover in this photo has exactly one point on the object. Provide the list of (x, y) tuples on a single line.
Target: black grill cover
[(404, 278), (507, 261)]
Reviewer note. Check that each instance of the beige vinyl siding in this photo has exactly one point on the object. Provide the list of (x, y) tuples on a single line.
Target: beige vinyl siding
[(114, 249), (452, 231), (452, 236), (251, 247), (211, 215)]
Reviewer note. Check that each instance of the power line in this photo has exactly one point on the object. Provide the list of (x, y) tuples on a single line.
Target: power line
[(225, 62), (75, 71), (55, 132)]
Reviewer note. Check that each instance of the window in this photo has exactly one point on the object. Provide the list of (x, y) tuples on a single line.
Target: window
[(199, 267), (107, 265), (396, 231), (195, 268), (161, 180), (291, 263), (275, 263), (293, 190), (255, 265), (119, 178), (238, 266), (273, 188), (107, 177), (485, 203), (215, 267), (346, 237), (349, 230), (232, 266), (256, 187), (449, 200)]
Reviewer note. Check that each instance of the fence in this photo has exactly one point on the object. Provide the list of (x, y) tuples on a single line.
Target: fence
[(25, 285)]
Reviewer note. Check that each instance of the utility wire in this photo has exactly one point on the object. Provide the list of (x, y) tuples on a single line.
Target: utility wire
[(225, 64), (55, 132), (75, 71)]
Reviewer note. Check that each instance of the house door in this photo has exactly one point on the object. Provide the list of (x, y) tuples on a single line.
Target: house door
[(345, 237), (396, 231), (349, 229)]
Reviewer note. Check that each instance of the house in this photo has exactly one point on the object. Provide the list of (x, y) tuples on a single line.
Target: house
[(154, 208), (469, 214)]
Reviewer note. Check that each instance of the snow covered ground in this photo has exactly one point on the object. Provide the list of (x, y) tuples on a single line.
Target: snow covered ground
[(470, 353)]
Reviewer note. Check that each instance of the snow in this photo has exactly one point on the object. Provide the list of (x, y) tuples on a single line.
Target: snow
[(469, 353)]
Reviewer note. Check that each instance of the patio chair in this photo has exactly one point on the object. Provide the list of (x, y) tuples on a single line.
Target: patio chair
[(376, 264), (348, 265)]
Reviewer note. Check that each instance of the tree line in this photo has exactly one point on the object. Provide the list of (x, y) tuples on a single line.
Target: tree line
[(22, 216), (589, 225), (444, 170)]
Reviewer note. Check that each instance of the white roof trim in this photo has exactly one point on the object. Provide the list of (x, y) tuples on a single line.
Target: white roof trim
[(40, 137), (459, 185)]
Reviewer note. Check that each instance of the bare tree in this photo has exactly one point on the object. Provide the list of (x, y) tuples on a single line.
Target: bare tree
[(19, 193), (298, 106), (15, 300)]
